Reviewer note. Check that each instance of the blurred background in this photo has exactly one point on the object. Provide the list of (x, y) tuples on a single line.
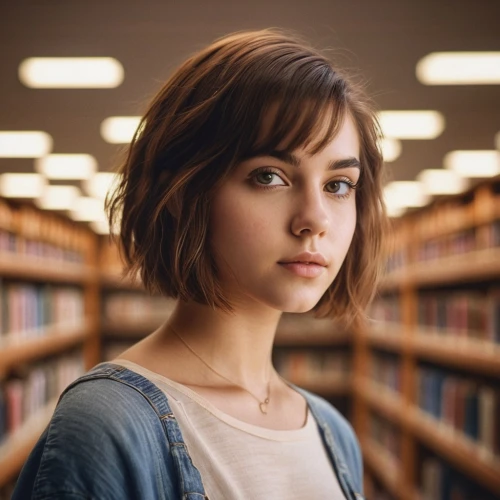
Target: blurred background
[(421, 381)]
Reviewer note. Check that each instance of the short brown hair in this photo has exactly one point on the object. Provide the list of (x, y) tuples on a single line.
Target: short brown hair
[(204, 121)]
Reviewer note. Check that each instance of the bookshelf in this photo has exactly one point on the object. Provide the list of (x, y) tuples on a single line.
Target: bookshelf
[(48, 331), (438, 314)]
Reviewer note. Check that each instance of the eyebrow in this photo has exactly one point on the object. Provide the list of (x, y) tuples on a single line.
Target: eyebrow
[(294, 160)]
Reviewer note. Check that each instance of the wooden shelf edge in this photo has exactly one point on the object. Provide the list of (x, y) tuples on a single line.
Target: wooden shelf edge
[(467, 354), (474, 266), (384, 401), (115, 281), (131, 330), (15, 451), (384, 466), (463, 453), (338, 386), (284, 338), (470, 355), (37, 269), (387, 335), (54, 339)]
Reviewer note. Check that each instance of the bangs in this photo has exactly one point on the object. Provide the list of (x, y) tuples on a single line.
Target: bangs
[(293, 108)]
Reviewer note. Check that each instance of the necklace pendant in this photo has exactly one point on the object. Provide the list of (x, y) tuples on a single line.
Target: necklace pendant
[(263, 407)]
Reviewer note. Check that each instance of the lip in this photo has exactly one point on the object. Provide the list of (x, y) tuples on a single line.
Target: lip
[(302, 269), (305, 264), (306, 258)]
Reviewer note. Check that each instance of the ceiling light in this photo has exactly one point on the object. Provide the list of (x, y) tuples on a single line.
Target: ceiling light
[(405, 194), (459, 68), (24, 144), (71, 72), (88, 209), (66, 166), (100, 183), (58, 197), (22, 185), (411, 124), (100, 227), (391, 149), (477, 164), (394, 211), (441, 181), (119, 129)]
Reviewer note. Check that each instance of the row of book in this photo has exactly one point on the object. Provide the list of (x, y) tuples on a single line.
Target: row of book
[(33, 387), (453, 244), (26, 308), (396, 260), (135, 306), (471, 313), (462, 313), (386, 370), (492, 235), (25, 230), (386, 309), (312, 365), (439, 481), (462, 405)]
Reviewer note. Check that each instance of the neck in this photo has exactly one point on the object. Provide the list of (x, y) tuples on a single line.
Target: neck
[(237, 346)]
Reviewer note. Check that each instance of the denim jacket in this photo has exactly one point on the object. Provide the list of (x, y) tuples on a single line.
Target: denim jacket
[(113, 436)]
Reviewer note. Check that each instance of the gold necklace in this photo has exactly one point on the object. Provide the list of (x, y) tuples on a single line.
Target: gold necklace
[(262, 404)]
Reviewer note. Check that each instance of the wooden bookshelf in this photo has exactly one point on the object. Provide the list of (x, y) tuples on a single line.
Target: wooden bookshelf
[(43, 248), (451, 245), (386, 468), (18, 348), (329, 387), (476, 356), (15, 450), (133, 330), (472, 266), (28, 268), (462, 452), (116, 281)]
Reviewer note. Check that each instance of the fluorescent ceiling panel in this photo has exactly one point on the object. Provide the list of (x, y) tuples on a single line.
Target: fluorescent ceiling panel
[(22, 185), (391, 149), (459, 68), (24, 144), (100, 183), (405, 194), (88, 209), (473, 164), (71, 72), (58, 197), (440, 181), (119, 129), (416, 124), (66, 166)]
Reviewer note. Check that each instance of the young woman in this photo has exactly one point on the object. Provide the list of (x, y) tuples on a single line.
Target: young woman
[(252, 188)]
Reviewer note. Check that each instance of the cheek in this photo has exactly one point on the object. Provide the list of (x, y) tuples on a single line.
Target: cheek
[(236, 225)]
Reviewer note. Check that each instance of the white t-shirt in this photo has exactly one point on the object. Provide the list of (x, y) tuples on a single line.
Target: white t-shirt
[(241, 461)]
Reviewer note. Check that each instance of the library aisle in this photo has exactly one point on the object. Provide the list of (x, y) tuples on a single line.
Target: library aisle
[(420, 380)]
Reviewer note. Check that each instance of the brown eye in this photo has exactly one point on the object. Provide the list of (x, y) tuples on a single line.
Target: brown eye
[(265, 177), (341, 189), (335, 186)]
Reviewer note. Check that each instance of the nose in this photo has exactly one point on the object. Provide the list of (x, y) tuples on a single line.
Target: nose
[(310, 216)]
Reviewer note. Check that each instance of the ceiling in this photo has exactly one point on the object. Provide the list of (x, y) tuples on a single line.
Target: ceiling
[(381, 41)]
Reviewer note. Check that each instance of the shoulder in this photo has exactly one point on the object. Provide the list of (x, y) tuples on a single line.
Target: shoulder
[(104, 439), (345, 440)]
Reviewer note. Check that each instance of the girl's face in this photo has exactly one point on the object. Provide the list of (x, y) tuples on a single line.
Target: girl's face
[(273, 208)]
